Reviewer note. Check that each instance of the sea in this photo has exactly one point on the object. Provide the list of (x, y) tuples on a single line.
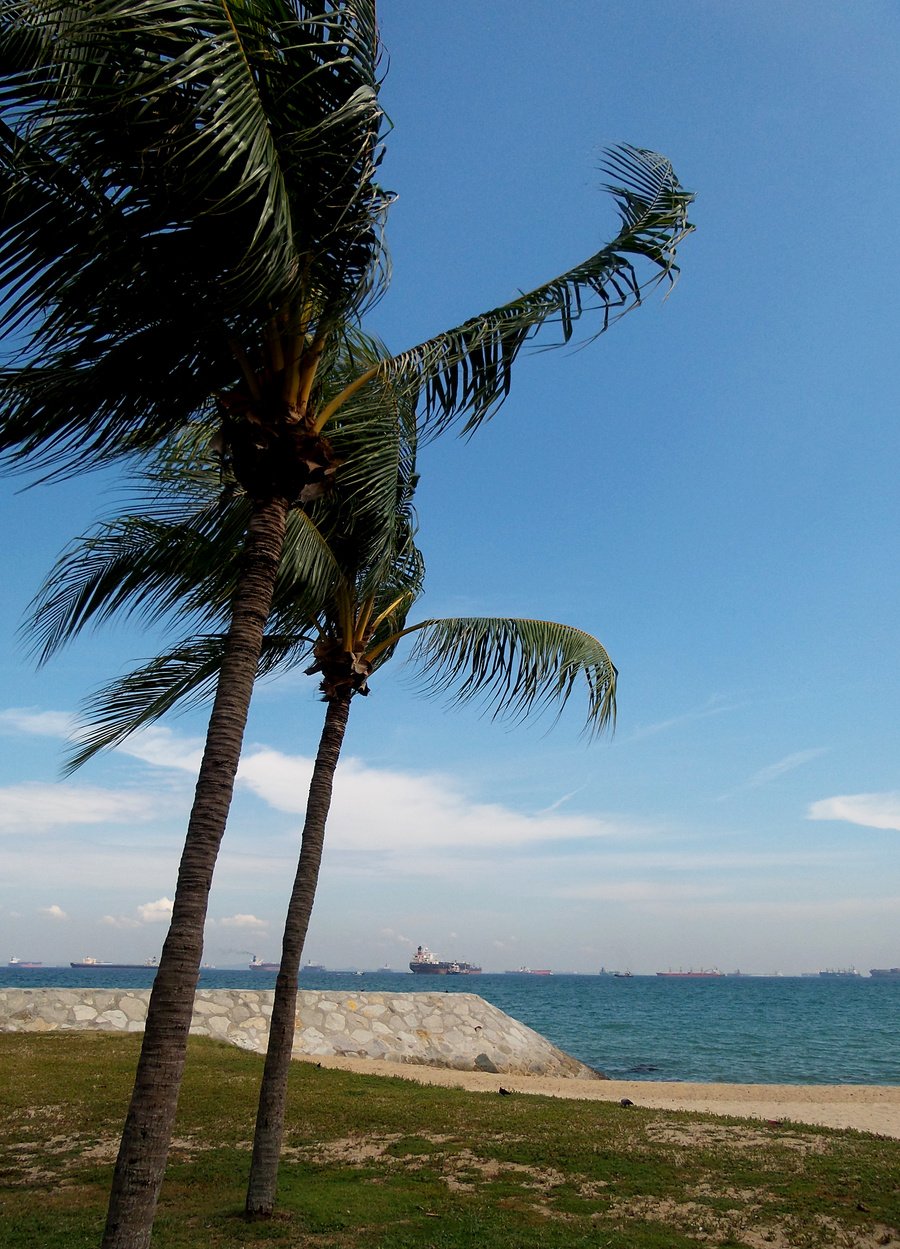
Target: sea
[(733, 1029)]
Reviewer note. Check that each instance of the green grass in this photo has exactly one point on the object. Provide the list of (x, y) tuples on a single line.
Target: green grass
[(373, 1163)]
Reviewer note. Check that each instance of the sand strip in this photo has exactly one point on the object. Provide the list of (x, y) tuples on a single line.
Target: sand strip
[(866, 1107)]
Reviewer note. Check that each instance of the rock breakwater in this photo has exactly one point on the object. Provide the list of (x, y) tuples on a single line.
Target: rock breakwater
[(457, 1030)]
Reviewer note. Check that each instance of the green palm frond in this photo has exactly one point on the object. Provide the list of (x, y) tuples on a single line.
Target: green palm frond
[(516, 667), (135, 565), (182, 678), (170, 174), (465, 373)]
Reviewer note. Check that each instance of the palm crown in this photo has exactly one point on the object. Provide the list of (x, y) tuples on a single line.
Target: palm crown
[(342, 594)]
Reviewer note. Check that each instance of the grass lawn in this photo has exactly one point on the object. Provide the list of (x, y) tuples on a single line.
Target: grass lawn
[(374, 1163)]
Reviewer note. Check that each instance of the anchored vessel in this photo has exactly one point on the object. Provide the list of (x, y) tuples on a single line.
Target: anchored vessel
[(885, 973), (529, 971), (692, 975), (840, 973), (423, 962), (258, 965), (22, 962), (96, 964)]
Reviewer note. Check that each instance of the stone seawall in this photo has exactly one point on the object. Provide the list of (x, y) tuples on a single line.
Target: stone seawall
[(458, 1030)]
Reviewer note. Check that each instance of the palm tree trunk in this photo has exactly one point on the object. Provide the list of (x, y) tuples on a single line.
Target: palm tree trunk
[(148, 1127), (273, 1093)]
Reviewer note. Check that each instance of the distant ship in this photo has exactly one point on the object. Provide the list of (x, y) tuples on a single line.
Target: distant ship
[(885, 973), (22, 962), (529, 971), (424, 963), (310, 969), (258, 965), (96, 964), (840, 973), (702, 974)]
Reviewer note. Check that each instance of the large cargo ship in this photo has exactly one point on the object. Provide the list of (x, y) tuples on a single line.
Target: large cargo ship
[(96, 964), (702, 974), (529, 971), (885, 973), (424, 963), (22, 962), (258, 965), (840, 973)]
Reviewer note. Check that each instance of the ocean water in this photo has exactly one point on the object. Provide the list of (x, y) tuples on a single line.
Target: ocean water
[(747, 1029)]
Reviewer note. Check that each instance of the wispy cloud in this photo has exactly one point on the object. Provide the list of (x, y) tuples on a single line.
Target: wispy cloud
[(766, 775), (714, 706), (637, 891), (870, 810), (55, 912)]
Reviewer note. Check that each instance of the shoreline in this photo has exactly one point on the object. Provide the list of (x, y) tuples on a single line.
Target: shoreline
[(863, 1107)]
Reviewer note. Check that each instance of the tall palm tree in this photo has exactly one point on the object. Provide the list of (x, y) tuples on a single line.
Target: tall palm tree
[(514, 665), (190, 222)]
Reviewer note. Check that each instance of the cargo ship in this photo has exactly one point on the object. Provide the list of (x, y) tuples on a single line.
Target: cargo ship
[(702, 974), (257, 964), (96, 964), (885, 973), (529, 971), (424, 963), (840, 973), (23, 962)]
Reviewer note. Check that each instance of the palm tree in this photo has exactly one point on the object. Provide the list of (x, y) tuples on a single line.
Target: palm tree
[(514, 665), (190, 225)]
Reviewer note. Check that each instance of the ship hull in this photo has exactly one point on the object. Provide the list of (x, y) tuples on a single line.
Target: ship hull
[(885, 973), (444, 969), (691, 975), (114, 966)]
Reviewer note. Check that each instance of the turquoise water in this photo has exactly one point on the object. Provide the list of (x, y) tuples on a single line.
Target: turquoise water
[(781, 1030)]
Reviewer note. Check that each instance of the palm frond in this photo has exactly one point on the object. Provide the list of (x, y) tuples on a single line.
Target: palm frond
[(465, 373), (170, 173), (516, 666), (182, 678)]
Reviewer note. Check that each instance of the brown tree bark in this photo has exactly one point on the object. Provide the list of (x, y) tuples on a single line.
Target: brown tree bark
[(148, 1127), (273, 1092)]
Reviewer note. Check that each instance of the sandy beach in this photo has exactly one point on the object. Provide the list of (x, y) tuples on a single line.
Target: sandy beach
[(868, 1108)]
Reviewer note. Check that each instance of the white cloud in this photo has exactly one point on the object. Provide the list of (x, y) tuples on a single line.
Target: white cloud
[(388, 810), (55, 912), (164, 749), (870, 810), (36, 806), (37, 723), (120, 921), (241, 921), (157, 912)]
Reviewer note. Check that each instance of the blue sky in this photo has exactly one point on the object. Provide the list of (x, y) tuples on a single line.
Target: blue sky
[(709, 488)]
